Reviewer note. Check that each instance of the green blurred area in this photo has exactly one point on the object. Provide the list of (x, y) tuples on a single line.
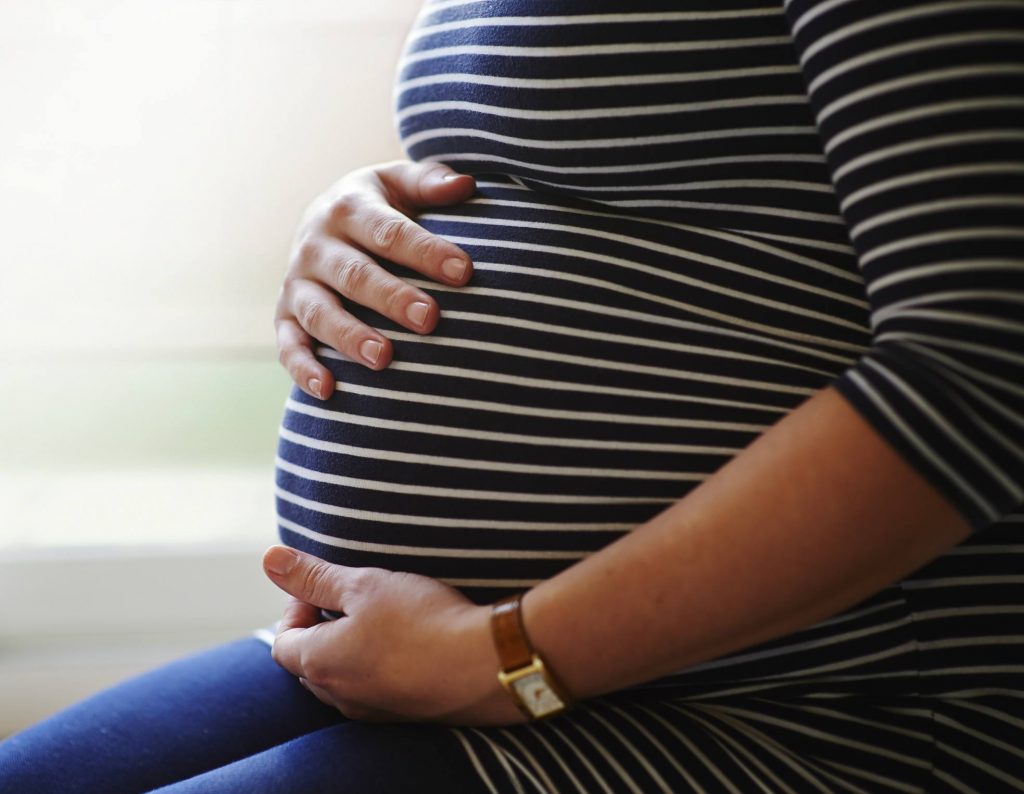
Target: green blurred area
[(126, 412)]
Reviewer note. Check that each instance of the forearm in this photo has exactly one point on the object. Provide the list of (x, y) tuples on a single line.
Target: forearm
[(814, 516)]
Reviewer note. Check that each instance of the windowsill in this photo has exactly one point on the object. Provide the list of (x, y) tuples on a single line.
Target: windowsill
[(76, 620), (107, 573)]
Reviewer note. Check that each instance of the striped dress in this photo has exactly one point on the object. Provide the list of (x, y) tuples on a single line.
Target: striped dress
[(690, 217)]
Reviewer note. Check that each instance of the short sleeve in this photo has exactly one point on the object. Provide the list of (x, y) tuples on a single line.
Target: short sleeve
[(920, 109)]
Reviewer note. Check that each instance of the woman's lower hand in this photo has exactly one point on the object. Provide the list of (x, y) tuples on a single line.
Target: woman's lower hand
[(407, 648), (365, 214)]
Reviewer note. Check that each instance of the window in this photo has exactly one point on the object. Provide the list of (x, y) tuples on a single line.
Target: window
[(157, 156)]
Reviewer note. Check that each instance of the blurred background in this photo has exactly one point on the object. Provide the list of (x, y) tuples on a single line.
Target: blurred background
[(155, 159)]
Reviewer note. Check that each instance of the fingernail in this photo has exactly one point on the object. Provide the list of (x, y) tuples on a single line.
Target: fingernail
[(417, 312), (444, 179), (280, 560), (315, 386), (454, 268), (370, 350)]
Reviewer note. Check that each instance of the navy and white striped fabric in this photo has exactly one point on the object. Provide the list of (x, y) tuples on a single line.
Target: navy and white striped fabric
[(690, 217)]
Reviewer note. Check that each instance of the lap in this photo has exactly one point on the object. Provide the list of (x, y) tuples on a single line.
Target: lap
[(229, 715), (229, 719), (347, 758)]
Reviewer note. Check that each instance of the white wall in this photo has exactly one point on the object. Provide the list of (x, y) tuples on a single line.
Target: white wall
[(155, 157)]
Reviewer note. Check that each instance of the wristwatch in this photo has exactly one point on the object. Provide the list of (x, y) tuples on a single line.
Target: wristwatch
[(533, 685)]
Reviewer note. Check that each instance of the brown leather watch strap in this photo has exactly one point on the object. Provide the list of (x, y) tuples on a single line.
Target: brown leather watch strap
[(510, 640)]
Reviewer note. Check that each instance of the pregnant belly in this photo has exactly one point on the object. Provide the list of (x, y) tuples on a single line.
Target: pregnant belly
[(596, 368)]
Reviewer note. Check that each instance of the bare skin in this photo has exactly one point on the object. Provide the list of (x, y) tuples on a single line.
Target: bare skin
[(785, 535), (714, 573), (363, 215)]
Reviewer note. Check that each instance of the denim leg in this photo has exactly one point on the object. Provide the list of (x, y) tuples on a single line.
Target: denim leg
[(349, 758), (194, 714)]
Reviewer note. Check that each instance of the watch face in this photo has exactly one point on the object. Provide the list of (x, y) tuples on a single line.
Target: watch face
[(537, 695)]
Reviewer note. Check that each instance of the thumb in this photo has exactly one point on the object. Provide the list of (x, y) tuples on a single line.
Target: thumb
[(441, 184), (427, 184), (308, 578)]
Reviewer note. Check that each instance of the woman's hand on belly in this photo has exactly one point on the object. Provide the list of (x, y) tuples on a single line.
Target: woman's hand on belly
[(407, 648), (365, 213)]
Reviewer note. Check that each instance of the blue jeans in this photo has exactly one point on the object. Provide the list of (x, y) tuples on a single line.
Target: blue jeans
[(227, 719)]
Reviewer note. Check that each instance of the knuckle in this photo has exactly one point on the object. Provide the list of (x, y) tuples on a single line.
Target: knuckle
[(353, 276), (357, 578), (286, 354), (312, 313), (343, 206), (338, 267), (306, 253), (317, 581), (432, 249), (314, 671), (394, 296), (363, 580), (386, 232)]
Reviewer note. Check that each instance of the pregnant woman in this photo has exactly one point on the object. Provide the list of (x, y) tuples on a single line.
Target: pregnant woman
[(698, 327)]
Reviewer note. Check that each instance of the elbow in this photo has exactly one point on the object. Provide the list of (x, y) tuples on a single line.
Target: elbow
[(954, 406)]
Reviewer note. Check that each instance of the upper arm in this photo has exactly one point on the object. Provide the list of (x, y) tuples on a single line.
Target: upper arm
[(920, 109)]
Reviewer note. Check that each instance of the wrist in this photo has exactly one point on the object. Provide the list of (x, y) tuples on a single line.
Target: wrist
[(482, 699), (551, 637), (526, 675)]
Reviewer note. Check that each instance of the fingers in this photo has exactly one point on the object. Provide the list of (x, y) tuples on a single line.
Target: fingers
[(308, 578), (291, 643), (319, 312), (299, 644), (352, 711), (366, 215), (295, 352), (372, 224), (298, 615), (315, 657), (356, 276), (308, 311), (294, 650), (424, 184)]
